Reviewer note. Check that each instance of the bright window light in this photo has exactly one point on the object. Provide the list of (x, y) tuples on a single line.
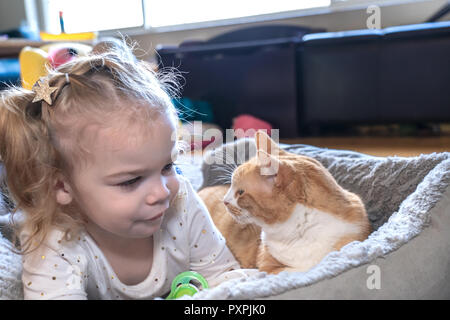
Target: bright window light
[(93, 15), (175, 12)]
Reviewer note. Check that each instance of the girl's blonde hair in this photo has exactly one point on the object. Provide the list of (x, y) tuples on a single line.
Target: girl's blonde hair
[(39, 141)]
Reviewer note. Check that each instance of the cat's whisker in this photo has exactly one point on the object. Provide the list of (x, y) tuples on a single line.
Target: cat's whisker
[(219, 158), (230, 167), (227, 168), (230, 170), (221, 180), (229, 158), (222, 169), (224, 176)]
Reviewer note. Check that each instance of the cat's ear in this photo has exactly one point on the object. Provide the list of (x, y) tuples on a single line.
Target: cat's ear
[(265, 143), (268, 163)]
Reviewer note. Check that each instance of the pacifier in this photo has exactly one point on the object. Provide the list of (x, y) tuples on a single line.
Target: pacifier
[(187, 283)]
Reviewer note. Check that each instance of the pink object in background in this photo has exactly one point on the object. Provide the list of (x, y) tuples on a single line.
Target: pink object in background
[(59, 55), (246, 122)]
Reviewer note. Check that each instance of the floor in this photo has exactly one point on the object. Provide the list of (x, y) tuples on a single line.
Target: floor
[(380, 146)]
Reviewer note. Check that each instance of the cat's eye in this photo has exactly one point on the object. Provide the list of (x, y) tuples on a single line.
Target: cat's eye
[(240, 192)]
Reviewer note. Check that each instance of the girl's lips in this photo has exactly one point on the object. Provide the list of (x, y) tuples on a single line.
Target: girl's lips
[(159, 215)]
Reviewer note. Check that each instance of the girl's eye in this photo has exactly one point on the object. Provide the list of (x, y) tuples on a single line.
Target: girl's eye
[(129, 183), (168, 167)]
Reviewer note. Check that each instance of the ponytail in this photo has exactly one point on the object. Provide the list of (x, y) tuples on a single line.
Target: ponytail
[(27, 157)]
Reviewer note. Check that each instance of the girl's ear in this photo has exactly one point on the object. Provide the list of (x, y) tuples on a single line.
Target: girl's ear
[(63, 190)]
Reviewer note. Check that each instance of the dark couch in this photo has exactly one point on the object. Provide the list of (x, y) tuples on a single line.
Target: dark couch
[(398, 74), (302, 80)]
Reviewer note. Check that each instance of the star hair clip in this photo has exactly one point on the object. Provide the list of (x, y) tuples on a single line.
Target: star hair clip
[(43, 91)]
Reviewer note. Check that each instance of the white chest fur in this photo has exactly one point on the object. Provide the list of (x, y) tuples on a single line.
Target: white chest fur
[(305, 238)]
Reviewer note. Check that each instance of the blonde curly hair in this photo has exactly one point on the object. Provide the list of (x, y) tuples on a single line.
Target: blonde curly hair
[(39, 141)]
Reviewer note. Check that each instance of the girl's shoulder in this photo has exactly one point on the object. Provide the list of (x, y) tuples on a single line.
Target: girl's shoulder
[(56, 243)]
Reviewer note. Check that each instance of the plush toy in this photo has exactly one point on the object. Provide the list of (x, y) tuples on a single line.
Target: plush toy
[(58, 56), (246, 122), (34, 62)]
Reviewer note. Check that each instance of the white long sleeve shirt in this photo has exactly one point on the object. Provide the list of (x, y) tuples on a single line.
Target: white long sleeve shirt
[(77, 269)]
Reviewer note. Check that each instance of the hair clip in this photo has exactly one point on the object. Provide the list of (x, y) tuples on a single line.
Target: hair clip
[(43, 91)]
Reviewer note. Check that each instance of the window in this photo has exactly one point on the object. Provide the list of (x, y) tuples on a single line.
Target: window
[(101, 15), (92, 15), (176, 12)]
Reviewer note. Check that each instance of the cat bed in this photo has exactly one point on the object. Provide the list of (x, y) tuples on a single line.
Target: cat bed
[(406, 257)]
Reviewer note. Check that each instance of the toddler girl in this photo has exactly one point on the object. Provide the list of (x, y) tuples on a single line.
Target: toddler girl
[(89, 158)]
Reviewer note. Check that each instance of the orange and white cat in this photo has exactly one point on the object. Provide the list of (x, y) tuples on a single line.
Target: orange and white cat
[(283, 211)]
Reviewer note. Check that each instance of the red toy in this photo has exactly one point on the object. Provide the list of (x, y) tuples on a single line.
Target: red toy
[(246, 122)]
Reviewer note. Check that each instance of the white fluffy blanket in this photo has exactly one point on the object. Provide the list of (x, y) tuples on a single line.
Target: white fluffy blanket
[(10, 270)]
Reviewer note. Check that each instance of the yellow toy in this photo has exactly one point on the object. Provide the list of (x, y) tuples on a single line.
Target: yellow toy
[(81, 36), (34, 62)]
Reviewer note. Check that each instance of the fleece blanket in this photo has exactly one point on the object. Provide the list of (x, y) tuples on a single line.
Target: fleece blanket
[(10, 263), (399, 194)]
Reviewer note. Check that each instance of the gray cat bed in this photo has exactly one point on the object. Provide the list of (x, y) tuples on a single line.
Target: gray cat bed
[(406, 257)]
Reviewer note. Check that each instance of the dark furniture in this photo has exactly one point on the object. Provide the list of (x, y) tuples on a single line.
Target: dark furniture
[(307, 82), (249, 71), (394, 75)]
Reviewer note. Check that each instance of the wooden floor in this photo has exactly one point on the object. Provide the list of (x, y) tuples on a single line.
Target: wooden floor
[(380, 146)]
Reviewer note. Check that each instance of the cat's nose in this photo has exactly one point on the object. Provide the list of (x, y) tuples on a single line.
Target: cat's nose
[(225, 202)]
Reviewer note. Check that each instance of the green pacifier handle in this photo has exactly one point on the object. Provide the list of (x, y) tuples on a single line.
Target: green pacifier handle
[(181, 285)]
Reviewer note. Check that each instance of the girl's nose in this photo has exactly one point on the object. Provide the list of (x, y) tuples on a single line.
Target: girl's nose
[(158, 192)]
